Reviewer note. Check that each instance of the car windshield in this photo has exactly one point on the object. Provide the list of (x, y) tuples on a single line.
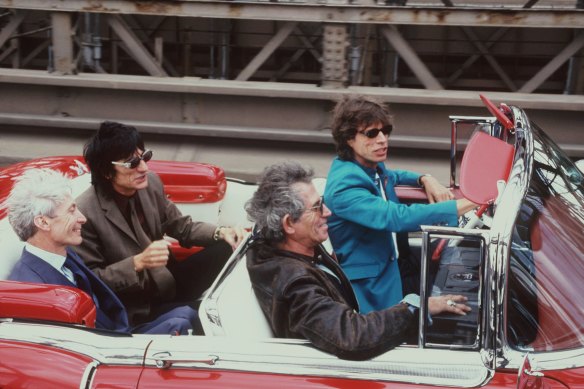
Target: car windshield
[(545, 309)]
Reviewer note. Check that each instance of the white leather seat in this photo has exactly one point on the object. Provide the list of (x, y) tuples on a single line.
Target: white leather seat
[(231, 307), (10, 248)]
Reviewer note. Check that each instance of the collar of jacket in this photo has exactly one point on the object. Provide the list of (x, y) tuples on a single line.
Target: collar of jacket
[(379, 169), (321, 256)]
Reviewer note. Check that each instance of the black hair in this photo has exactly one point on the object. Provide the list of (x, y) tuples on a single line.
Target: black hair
[(112, 142)]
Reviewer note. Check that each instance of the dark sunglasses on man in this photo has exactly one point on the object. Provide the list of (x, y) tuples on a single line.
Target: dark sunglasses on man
[(373, 132), (133, 162)]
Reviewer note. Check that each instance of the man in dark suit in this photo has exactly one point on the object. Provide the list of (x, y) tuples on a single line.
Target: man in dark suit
[(44, 215), (128, 217)]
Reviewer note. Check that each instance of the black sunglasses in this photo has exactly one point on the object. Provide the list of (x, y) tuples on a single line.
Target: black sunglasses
[(373, 132), (135, 161)]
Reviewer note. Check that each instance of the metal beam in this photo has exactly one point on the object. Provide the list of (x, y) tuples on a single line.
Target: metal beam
[(329, 13), (139, 31), (308, 42), (189, 85), (12, 25), (62, 42), (411, 58), (34, 52), (490, 59), (554, 64), (7, 52), (135, 47), (490, 42), (266, 51), (334, 70)]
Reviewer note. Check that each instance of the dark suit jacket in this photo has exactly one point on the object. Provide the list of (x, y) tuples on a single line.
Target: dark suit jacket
[(111, 313), (109, 245)]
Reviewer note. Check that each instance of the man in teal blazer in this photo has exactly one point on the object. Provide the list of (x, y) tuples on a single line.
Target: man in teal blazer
[(366, 211)]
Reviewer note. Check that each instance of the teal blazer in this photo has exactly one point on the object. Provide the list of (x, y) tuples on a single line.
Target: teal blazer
[(362, 222)]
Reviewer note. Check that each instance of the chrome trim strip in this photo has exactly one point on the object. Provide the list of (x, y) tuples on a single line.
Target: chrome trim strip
[(423, 289), (283, 356), (504, 222), (88, 375), (453, 150), (502, 227), (297, 357), (100, 346), (482, 335), (556, 360)]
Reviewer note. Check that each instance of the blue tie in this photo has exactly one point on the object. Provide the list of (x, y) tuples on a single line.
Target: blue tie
[(81, 279)]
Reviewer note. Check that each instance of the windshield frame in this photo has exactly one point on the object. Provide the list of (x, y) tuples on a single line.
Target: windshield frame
[(503, 227)]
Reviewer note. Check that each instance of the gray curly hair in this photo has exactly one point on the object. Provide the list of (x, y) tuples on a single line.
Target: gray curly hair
[(36, 192), (276, 197)]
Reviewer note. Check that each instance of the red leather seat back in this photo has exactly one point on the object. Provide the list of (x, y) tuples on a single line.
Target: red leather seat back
[(486, 160)]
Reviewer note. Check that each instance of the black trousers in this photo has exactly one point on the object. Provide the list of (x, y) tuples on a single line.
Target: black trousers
[(195, 274)]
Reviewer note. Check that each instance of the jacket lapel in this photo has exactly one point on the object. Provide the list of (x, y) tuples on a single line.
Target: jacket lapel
[(46, 272), (345, 283), (114, 215)]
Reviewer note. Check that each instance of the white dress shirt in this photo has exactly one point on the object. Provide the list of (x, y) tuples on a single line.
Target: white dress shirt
[(55, 260)]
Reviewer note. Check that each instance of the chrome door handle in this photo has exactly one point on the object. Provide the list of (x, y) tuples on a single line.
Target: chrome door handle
[(165, 360)]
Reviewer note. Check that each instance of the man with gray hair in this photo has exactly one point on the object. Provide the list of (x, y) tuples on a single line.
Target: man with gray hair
[(301, 288), (43, 214)]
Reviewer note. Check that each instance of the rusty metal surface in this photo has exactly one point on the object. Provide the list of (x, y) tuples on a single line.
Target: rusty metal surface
[(332, 12)]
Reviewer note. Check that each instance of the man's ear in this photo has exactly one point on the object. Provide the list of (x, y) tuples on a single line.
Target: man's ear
[(288, 225), (41, 223)]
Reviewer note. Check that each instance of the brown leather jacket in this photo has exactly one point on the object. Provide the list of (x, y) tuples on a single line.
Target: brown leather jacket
[(302, 301)]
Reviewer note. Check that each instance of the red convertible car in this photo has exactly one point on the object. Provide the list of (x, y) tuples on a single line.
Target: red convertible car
[(519, 259)]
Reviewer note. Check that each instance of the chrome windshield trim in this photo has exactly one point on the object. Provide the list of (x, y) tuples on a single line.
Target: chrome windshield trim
[(503, 223), (502, 228)]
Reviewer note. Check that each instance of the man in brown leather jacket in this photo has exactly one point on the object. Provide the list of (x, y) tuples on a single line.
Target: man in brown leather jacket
[(301, 288)]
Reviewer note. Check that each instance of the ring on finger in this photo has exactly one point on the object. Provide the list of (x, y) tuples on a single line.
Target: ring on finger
[(450, 303)]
